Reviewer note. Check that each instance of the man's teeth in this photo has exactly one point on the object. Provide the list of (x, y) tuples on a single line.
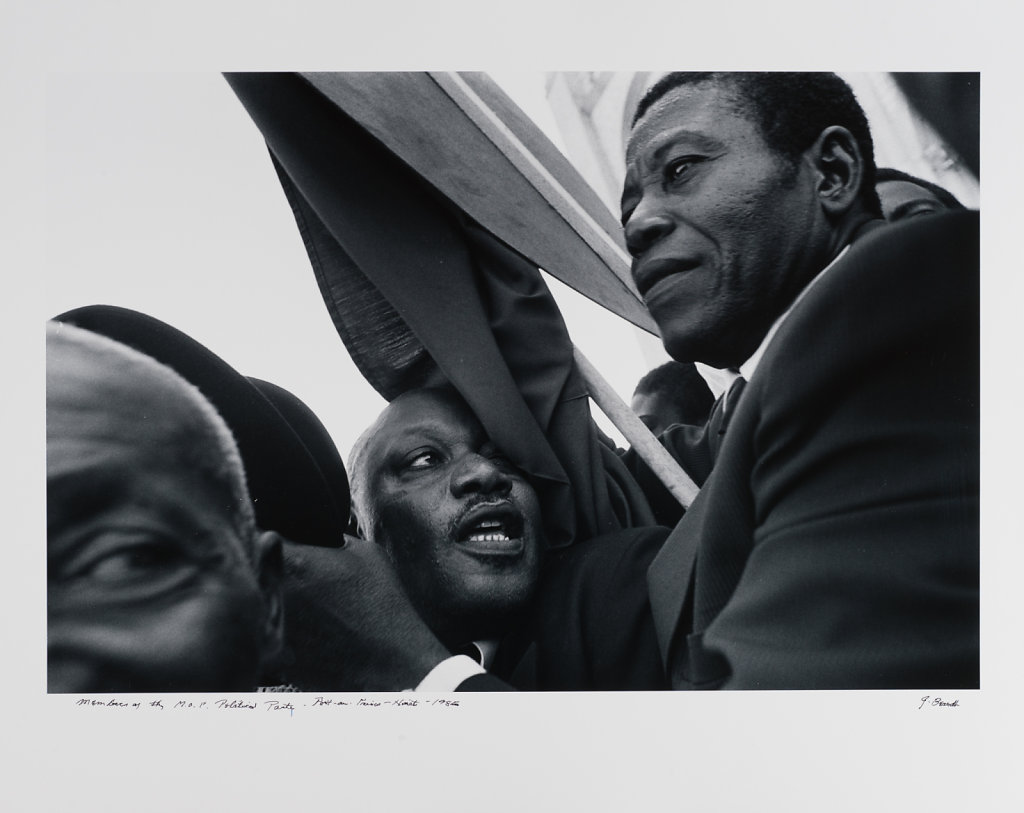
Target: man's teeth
[(481, 537), (488, 531)]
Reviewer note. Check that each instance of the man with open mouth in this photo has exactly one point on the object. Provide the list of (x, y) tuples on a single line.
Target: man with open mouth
[(462, 527), (458, 520)]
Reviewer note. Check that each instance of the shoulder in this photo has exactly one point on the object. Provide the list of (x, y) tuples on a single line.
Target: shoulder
[(606, 559), (593, 625), (603, 576), (908, 259), (897, 295)]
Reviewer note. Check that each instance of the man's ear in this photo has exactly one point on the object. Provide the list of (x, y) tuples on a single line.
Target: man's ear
[(354, 527), (270, 570), (840, 168)]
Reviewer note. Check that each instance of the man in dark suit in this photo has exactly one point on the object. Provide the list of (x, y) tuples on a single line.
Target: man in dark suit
[(835, 542)]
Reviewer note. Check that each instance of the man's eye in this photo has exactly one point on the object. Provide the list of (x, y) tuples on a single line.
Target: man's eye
[(675, 170), (422, 460), (130, 562), (922, 209)]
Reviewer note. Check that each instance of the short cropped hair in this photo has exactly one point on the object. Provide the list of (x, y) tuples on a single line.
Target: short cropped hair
[(358, 476), (358, 467), (681, 384), (791, 110), (944, 197), (203, 442)]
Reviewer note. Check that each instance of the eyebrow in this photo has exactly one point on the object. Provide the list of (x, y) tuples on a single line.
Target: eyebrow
[(672, 137), (667, 139)]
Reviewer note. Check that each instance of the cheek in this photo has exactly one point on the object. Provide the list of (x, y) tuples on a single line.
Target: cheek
[(416, 533), (408, 525), (529, 505), (205, 638)]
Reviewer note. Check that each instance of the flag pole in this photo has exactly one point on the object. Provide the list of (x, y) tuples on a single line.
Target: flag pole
[(636, 433)]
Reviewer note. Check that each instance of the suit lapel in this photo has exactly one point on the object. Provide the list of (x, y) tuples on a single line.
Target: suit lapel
[(670, 579)]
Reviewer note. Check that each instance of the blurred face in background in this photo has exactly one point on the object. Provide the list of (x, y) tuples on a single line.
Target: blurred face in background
[(902, 200)]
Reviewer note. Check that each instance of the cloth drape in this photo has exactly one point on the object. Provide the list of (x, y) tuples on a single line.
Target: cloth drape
[(416, 288)]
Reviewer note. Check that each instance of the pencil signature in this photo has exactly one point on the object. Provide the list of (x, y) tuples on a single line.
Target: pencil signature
[(928, 700)]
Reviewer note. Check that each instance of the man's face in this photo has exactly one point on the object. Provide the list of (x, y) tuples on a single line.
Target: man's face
[(902, 200), (722, 229), (656, 411), (460, 523), (149, 588)]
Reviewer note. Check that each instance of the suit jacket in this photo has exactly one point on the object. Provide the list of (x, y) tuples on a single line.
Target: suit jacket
[(591, 626), (835, 542)]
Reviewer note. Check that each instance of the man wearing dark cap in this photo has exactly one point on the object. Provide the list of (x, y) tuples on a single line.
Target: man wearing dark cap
[(158, 579), (294, 474), (297, 487)]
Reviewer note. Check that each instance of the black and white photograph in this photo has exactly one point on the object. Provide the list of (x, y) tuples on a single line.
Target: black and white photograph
[(399, 419)]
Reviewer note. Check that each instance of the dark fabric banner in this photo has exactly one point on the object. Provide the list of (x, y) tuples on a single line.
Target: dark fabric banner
[(417, 289)]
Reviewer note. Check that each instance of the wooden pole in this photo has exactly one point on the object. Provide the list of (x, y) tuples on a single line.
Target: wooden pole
[(636, 433)]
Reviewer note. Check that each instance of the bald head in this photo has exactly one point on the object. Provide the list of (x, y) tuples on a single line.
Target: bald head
[(459, 521), (97, 388), (153, 558)]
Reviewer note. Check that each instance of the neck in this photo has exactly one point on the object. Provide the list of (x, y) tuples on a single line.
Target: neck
[(852, 229)]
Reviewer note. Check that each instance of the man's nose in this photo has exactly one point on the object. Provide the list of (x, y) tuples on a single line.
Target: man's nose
[(647, 224), (476, 474)]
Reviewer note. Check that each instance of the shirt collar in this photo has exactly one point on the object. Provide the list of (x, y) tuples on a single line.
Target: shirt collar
[(488, 649), (748, 367)]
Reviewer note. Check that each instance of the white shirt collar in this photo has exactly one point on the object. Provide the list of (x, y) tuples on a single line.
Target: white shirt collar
[(488, 649), (748, 367)]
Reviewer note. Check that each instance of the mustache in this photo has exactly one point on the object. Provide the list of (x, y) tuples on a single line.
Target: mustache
[(476, 503)]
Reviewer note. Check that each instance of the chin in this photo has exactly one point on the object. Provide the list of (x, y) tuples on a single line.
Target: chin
[(684, 343), (683, 346)]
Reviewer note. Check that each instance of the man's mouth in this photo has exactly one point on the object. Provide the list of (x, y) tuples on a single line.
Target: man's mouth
[(648, 274), (492, 530)]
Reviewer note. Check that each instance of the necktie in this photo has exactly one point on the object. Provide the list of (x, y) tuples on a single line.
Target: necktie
[(720, 422)]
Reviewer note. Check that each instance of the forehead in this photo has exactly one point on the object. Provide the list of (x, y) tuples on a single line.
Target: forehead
[(643, 402), (95, 475), (112, 421), (89, 397), (105, 469), (435, 414), (708, 113)]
